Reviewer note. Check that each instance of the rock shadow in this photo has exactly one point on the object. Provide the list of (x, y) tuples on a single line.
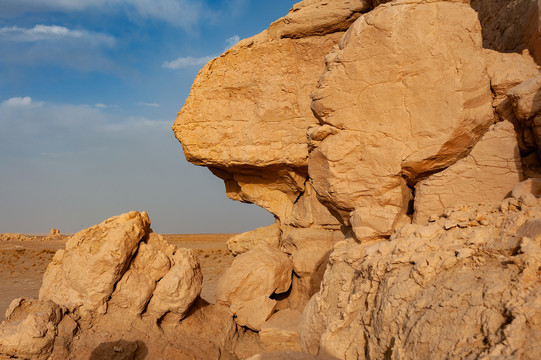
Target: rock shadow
[(120, 350)]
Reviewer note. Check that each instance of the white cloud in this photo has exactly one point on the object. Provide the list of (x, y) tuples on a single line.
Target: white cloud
[(182, 13), (54, 32), (106, 106), (20, 102), (186, 62), (231, 41), (154, 105)]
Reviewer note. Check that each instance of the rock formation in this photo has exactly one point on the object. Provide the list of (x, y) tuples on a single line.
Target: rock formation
[(397, 144)]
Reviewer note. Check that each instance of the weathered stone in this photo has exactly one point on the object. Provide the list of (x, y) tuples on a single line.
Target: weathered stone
[(84, 275), (526, 98), (250, 281), (431, 293), (388, 135), (279, 333), (30, 329), (269, 235), (487, 175), (507, 70), (316, 18)]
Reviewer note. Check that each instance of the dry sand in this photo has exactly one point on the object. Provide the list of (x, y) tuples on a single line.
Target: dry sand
[(23, 263)]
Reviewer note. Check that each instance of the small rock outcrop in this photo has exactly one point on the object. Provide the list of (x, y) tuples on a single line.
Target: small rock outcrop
[(248, 284), (118, 288)]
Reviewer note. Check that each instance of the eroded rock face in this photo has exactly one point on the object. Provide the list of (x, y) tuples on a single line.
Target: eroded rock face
[(406, 97), (248, 284), (107, 292), (403, 297), (487, 175)]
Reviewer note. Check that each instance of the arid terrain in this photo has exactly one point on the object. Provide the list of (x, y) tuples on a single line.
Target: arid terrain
[(23, 263)]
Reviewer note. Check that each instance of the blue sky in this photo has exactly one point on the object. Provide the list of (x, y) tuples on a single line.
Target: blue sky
[(88, 92)]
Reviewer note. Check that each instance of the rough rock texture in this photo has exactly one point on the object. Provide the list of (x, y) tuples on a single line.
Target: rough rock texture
[(30, 329), (269, 235), (316, 18), (511, 25), (487, 175), (248, 284), (381, 134), (279, 333), (119, 291), (97, 266), (469, 291)]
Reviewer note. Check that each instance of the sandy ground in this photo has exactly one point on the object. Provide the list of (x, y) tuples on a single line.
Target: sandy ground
[(23, 263)]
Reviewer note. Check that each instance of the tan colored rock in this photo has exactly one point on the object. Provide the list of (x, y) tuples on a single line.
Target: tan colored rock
[(14, 236), (432, 293), (250, 281), (507, 70), (268, 235), (510, 25), (54, 232), (487, 175), (98, 271), (289, 355), (279, 332), (526, 98), (179, 288), (256, 91), (316, 18), (385, 105), (84, 275), (30, 329)]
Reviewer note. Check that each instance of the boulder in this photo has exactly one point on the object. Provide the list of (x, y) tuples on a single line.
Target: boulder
[(248, 284), (279, 332), (30, 329), (317, 18), (526, 98), (268, 235), (507, 70), (121, 264), (487, 175), (83, 276), (387, 135), (433, 291)]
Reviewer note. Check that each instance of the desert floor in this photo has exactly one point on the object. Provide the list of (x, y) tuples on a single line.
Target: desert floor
[(23, 263)]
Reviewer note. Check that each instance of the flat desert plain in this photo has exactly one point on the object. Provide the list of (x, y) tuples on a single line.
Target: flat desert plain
[(23, 263)]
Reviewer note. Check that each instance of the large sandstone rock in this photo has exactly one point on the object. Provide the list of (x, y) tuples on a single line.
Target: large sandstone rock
[(471, 291), (317, 17), (268, 235), (403, 97), (84, 275), (248, 111), (510, 25), (487, 175), (248, 284)]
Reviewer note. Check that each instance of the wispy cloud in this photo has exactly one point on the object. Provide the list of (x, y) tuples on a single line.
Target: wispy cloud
[(106, 106), (186, 62), (181, 13), (154, 105), (230, 42), (20, 102), (54, 32), (58, 45)]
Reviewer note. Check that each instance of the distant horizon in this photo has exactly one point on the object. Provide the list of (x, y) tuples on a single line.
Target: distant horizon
[(89, 92)]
